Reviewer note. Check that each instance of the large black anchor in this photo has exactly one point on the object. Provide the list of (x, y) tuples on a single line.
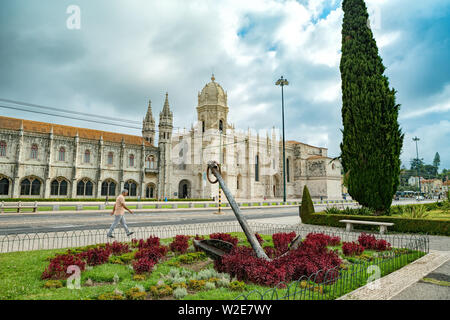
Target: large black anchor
[(217, 248)]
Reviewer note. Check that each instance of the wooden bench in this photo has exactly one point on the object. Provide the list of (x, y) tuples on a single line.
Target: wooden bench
[(383, 225), (18, 205)]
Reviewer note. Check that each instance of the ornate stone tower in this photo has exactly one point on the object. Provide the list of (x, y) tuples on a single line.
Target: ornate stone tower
[(148, 125), (212, 109), (165, 146)]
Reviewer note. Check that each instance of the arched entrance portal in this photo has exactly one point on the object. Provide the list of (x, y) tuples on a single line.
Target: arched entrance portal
[(184, 189)]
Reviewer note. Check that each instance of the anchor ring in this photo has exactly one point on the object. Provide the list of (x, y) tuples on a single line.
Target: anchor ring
[(208, 171)]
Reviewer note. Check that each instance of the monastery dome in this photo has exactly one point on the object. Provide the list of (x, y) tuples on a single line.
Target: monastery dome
[(212, 94)]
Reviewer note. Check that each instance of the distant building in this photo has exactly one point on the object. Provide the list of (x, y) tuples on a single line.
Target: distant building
[(414, 181), (431, 186)]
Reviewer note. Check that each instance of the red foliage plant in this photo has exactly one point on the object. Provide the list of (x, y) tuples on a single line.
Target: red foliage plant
[(367, 241), (180, 244), (282, 240), (259, 238), (143, 265), (117, 248), (306, 260), (371, 243), (150, 242), (382, 245), (323, 239), (225, 237), (57, 268), (152, 253), (352, 248), (96, 256)]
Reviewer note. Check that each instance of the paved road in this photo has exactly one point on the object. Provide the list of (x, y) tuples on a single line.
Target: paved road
[(85, 220), (95, 220)]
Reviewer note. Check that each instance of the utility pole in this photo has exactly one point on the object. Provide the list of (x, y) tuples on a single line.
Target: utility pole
[(415, 139), (283, 82)]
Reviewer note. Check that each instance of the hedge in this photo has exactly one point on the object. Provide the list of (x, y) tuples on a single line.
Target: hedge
[(401, 225), (112, 198)]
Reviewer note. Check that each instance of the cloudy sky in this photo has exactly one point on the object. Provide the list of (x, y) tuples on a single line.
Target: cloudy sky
[(127, 52)]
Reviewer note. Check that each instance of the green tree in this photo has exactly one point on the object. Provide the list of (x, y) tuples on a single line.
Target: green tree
[(437, 161), (372, 138), (307, 206)]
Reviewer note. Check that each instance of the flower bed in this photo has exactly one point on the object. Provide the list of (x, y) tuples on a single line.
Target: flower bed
[(147, 268)]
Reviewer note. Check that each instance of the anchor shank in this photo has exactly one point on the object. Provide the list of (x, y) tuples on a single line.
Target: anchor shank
[(237, 212)]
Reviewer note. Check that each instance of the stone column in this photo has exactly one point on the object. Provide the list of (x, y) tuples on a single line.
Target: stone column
[(75, 165), (49, 165), (17, 171)]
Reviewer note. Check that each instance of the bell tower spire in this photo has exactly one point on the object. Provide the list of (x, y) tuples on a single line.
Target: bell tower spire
[(148, 125)]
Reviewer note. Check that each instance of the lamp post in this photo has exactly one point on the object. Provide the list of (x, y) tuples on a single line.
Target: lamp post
[(283, 82), (415, 139)]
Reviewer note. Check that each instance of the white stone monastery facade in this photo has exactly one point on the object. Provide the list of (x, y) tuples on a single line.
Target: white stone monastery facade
[(43, 160)]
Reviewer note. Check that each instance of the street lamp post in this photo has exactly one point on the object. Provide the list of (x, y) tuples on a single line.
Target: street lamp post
[(415, 139), (283, 82)]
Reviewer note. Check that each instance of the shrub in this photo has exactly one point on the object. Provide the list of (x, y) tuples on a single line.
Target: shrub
[(177, 285), (332, 210), (117, 248), (150, 242), (415, 212), (160, 291), (352, 249), (136, 294), (196, 284), (53, 284), (110, 296), (307, 207), (259, 238), (206, 274), (180, 244), (96, 256), (180, 293), (282, 240), (57, 268), (153, 253), (305, 260), (322, 239), (143, 265), (225, 237), (223, 283), (367, 241), (401, 224), (139, 277), (237, 285), (190, 258), (270, 251), (382, 245), (210, 285)]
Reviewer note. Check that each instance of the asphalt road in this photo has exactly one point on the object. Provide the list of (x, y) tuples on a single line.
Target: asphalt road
[(51, 222)]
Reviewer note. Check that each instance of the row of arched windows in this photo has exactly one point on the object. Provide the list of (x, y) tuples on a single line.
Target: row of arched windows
[(31, 186)]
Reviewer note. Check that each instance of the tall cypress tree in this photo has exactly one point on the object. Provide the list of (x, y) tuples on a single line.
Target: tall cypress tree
[(372, 138)]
